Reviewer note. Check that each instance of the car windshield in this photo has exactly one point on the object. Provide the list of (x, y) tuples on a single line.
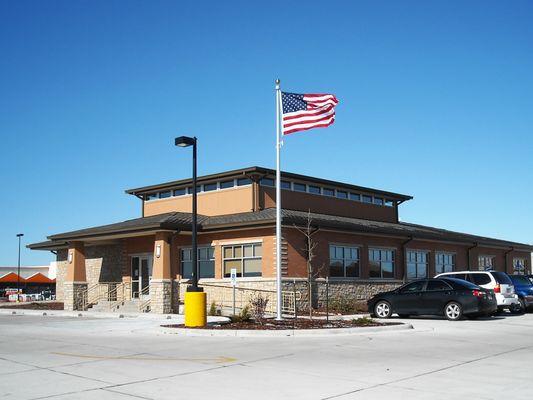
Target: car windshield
[(502, 277), (520, 280)]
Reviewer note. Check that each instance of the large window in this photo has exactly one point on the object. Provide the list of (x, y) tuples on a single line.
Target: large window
[(485, 263), (343, 261), (381, 263), (444, 262), (245, 258), (417, 264), (519, 266), (206, 261)]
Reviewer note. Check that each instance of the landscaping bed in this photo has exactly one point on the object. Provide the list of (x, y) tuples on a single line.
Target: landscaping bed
[(271, 324), (52, 305)]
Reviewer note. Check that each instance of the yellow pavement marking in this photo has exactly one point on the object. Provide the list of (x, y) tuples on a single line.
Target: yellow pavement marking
[(217, 360)]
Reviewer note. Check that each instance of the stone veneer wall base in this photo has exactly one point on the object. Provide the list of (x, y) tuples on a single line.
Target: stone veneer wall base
[(161, 296), (73, 293)]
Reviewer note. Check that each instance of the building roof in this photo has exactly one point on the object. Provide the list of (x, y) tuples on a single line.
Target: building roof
[(178, 221), (261, 171), (11, 277)]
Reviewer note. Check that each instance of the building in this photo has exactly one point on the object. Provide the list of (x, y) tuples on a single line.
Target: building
[(32, 279), (361, 245)]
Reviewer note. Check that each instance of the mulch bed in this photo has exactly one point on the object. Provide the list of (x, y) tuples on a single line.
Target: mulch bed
[(291, 324), (35, 306)]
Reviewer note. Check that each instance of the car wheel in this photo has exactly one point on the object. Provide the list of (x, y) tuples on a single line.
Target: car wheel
[(453, 311), (382, 309), (518, 308), (403, 315)]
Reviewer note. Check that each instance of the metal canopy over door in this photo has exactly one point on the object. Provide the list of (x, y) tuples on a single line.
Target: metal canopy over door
[(141, 273)]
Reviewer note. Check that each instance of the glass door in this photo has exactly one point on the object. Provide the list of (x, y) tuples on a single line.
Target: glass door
[(141, 273)]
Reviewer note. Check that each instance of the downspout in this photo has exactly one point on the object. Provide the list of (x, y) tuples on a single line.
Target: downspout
[(468, 255), (142, 204), (405, 258), (506, 254)]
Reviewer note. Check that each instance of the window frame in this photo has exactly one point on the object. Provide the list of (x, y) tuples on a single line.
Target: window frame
[(523, 270), (200, 247), (370, 260), (485, 257), (242, 274), (417, 252), (445, 253), (345, 261)]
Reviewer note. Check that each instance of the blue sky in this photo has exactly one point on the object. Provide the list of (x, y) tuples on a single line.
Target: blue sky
[(435, 101)]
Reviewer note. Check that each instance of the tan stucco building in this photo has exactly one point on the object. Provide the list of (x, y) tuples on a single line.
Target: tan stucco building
[(361, 245)]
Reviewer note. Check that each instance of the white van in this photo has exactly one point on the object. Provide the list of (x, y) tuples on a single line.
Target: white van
[(499, 282)]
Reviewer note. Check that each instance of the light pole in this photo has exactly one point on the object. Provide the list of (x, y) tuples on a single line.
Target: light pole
[(195, 298), (19, 235)]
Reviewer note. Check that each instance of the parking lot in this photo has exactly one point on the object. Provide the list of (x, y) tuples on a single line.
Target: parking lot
[(82, 358)]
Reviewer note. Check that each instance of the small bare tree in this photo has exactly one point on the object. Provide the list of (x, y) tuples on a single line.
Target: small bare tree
[(259, 304), (309, 250)]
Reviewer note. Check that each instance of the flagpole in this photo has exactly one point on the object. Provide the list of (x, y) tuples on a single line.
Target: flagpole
[(278, 203)]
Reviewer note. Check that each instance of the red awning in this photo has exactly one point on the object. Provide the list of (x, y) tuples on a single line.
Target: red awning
[(11, 277), (38, 278)]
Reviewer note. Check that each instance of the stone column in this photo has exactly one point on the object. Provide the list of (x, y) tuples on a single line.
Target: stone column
[(161, 282), (75, 285)]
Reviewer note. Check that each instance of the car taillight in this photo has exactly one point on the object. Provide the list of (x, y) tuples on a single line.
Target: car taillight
[(497, 289), (477, 293)]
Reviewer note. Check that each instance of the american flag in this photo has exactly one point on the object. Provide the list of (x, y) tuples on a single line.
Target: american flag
[(307, 111)]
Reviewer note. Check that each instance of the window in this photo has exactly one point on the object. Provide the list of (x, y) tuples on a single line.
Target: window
[(389, 203), (378, 201), (227, 184), (209, 187), (298, 187), (198, 189), (434, 286), (464, 277), (314, 189), (165, 194), (444, 262), (417, 264), (502, 277), (151, 196), (180, 192), (206, 262), (485, 263), (367, 199), (342, 195), (244, 181), (479, 279), (245, 258), (328, 192), (355, 196), (267, 182), (413, 287), (381, 263), (343, 261), (286, 185), (519, 266)]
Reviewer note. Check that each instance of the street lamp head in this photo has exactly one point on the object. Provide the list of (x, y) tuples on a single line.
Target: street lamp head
[(20, 234), (184, 141)]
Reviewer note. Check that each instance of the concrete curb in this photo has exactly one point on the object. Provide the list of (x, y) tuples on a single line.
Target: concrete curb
[(286, 332), (107, 315)]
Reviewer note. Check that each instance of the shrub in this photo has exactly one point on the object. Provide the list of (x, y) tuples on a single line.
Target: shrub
[(364, 321), (346, 305), (212, 309), (243, 316)]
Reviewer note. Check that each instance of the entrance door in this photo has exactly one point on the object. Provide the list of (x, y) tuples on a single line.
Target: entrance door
[(141, 273)]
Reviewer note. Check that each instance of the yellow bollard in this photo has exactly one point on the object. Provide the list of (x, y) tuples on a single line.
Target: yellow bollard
[(195, 309)]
